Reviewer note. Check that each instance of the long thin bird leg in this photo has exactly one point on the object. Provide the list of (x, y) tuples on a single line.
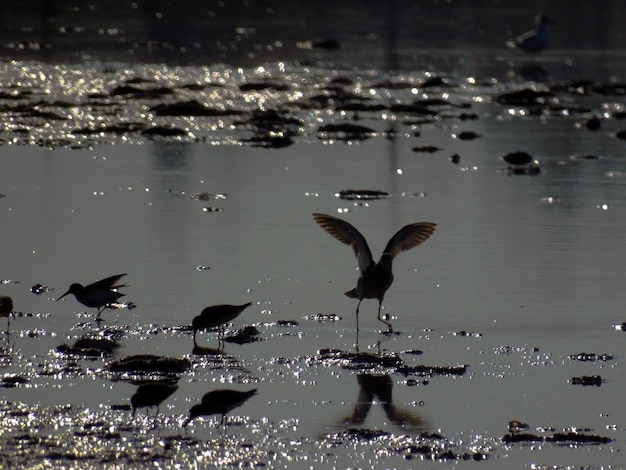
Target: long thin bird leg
[(357, 314), (389, 328), (100, 310)]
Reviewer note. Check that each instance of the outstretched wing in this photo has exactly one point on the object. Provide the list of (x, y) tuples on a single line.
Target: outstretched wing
[(108, 283), (409, 236), (346, 233)]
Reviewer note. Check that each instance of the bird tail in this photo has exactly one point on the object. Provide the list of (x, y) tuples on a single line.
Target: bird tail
[(352, 294)]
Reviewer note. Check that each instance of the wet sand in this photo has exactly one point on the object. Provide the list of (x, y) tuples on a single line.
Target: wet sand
[(509, 312)]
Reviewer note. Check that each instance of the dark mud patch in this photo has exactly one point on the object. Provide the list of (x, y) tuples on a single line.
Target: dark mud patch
[(362, 194), (430, 371), (147, 363), (591, 357), (466, 135), (518, 159), (471, 334), (323, 317), (426, 149), (527, 98), (191, 108), (90, 347), (425, 446), (565, 438), (12, 380), (587, 380), (357, 360), (245, 335), (345, 131), (392, 362), (584, 156), (39, 289)]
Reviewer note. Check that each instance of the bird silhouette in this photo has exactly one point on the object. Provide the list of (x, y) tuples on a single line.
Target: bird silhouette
[(97, 295), (151, 394), (375, 278), (6, 309), (216, 316), (535, 40), (219, 402)]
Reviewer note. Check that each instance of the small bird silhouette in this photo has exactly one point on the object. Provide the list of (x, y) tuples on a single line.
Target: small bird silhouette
[(535, 40), (6, 308), (219, 402), (216, 316), (97, 295), (375, 278), (151, 394)]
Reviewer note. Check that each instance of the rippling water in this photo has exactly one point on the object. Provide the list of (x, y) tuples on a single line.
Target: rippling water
[(197, 176)]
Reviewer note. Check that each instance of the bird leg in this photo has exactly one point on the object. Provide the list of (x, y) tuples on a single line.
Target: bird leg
[(100, 310), (389, 328), (357, 314)]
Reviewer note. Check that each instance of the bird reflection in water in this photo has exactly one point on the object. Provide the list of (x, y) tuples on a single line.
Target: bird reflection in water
[(206, 351), (378, 389)]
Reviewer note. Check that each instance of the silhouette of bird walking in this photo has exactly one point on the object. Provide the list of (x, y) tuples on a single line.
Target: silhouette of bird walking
[(219, 402), (151, 394), (97, 295), (6, 308), (375, 278), (535, 40), (216, 315)]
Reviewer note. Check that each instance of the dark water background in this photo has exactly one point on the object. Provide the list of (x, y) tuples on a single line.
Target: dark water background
[(523, 275)]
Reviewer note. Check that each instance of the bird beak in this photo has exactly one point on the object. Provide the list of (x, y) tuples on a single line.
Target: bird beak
[(63, 295)]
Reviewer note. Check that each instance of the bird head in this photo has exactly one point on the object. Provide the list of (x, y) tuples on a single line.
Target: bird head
[(74, 289), (194, 412)]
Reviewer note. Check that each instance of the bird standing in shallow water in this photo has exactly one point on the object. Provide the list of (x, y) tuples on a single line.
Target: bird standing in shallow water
[(151, 394), (6, 308), (216, 315), (97, 295), (375, 278), (219, 402), (535, 40)]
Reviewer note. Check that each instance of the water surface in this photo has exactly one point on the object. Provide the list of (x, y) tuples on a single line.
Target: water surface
[(523, 274)]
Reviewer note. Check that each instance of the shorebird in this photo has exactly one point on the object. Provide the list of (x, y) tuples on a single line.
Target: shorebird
[(216, 316), (535, 40), (375, 278), (151, 394), (97, 295), (6, 308), (219, 402)]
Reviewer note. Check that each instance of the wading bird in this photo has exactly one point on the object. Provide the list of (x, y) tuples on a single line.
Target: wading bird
[(151, 394), (535, 40), (375, 278), (97, 295), (216, 316), (6, 308), (219, 402)]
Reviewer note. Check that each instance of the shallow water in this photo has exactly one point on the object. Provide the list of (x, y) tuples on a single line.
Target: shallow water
[(523, 274)]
